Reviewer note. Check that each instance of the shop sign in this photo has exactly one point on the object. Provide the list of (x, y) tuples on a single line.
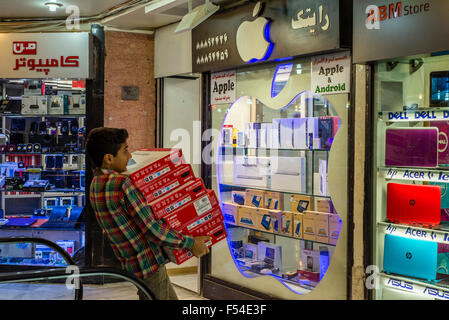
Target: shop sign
[(416, 288), (331, 74), (420, 115), (388, 29), (45, 55), (266, 31), (417, 175), (223, 87)]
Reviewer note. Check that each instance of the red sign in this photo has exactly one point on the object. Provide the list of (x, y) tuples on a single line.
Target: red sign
[(24, 47)]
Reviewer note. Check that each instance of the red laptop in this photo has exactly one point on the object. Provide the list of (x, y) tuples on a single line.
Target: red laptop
[(409, 203)]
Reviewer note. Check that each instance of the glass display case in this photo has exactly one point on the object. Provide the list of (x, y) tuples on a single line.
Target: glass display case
[(280, 163), (42, 162), (411, 171)]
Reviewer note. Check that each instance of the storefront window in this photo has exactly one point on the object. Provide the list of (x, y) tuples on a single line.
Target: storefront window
[(280, 173), (411, 201)]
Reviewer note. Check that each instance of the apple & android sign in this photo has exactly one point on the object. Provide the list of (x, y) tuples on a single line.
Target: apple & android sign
[(331, 73)]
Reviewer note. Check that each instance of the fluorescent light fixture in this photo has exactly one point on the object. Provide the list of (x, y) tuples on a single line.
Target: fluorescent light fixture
[(196, 16), (53, 5)]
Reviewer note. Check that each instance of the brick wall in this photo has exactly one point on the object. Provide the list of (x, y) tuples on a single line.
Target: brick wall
[(130, 62)]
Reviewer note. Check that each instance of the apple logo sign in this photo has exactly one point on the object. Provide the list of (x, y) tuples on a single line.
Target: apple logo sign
[(253, 38)]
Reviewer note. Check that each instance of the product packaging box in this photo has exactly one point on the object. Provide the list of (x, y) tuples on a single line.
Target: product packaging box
[(274, 200), (247, 217), (185, 209), (254, 198), (265, 135), (324, 205), (309, 226), (230, 212), (300, 203), (55, 105), (312, 133), (77, 104), (227, 136), (298, 225), (326, 131), (238, 197), (335, 224), (226, 171), (251, 171), (252, 132), (168, 183), (288, 174), (321, 220), (268, 220), (287, 224), (310, 260), (34, 105), (148, 165), (275, 134), (286, 133), (212, 226), (179, 198), (299, 133), (242, 140)]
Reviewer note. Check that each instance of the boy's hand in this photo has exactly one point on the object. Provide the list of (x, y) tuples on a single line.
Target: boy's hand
[(199, 248)]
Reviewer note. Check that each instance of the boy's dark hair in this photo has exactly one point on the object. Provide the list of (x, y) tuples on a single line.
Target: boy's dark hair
[(101, 141)]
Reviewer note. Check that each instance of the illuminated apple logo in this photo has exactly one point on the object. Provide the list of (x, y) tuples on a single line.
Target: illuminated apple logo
[(253, 38), (238, 172)]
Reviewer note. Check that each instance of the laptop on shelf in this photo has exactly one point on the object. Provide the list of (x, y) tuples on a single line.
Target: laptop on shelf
[(410, 203), (20, 222), (410, 257), (411, 147)]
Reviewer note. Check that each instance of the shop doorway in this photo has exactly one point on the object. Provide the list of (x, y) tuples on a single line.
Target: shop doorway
[(181, 128)]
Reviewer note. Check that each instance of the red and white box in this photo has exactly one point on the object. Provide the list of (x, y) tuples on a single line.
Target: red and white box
[(168, 183), (179, 199), (192, 211), (149, 165), (212, 226)]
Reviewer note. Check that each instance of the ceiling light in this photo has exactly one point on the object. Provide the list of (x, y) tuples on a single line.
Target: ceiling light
[(53, 5), (196, 16)]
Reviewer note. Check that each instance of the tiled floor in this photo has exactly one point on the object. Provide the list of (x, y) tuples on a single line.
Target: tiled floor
[(111, 291), (187, 281)]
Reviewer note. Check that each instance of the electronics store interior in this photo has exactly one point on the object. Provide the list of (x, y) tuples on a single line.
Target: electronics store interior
[(42, 163)]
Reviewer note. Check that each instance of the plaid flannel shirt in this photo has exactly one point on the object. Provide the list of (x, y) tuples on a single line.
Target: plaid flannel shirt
[(136, 236)]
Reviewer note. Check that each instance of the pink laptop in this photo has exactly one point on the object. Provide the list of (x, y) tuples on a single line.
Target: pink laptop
[(411, 147)]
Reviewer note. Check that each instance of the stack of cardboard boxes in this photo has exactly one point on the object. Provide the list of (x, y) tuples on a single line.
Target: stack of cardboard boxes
[(176, 196)]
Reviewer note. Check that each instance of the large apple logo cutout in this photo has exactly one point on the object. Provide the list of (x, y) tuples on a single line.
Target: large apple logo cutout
[(253, 38), (238, 115)]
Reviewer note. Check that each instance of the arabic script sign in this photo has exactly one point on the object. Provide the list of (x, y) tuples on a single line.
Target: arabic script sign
[(223, 86), (40, 55), (309, 19)]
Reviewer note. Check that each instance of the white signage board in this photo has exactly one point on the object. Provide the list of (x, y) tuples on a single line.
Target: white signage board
[(45, 55), (331, 74), (223, 87)]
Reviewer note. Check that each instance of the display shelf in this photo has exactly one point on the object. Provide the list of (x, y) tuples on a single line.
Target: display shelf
[(439, 174), (303, 288), (49, 191), (436, 290), (440, 235), (42, 153), (16, 115), (275, 234), (230, 186), (429, 114), (80, 226), (273, 149)]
